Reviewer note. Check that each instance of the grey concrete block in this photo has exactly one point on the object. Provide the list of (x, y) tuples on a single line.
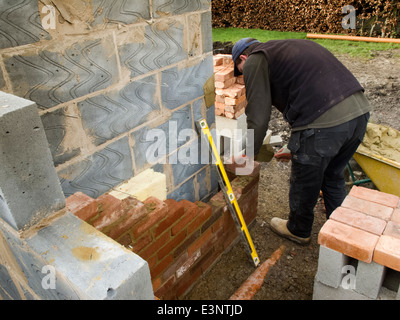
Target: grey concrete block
[(202, 184), (112, 13), (29, 274), (185, 191), (369, 278), (95, 265), (186, 161), (70, 260), (116, 112), (181, 85), (57, 125), (326, 292), (330, 267), (177, 7), (29, 186), (154, 144), (206, 31), (100, 172), (20, 24), (50, 78), (163, 45)]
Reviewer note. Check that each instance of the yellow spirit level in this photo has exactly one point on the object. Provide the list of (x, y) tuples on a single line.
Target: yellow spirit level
[(228, 192)]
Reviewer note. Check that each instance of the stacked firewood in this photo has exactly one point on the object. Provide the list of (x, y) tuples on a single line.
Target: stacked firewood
[(374, 17)]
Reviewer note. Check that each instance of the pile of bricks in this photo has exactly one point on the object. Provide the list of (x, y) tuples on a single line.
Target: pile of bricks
[(179, 240), (360, 248), (230, 92)]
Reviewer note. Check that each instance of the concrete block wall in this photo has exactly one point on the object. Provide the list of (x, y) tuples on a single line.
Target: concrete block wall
[(105, 73), (180, 240), (45, 251), (360, 248)]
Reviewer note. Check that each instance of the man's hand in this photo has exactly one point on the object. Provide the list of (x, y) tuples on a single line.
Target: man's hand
[(283, 154), (242, 166)]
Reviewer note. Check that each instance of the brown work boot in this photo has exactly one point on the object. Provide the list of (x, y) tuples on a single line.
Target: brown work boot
[(279, 227)]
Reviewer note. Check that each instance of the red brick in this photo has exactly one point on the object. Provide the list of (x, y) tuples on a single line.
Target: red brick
[(353, 242), (359, 220), (199, 242), (220, 98), (153, 247), (186, 282), (164, 288), (217, 61), (235, 91), (234, 101), (224, 74), (173, 243), (387, 252), (156, 284), (156, 211), (190, 212), (161, 266), (125, 240), (81, 205), (392, 229), (225, 84), (110, 208), (386, 199), (142, 242), (203, 214), (371, 208), (132, 211), (175, 211), (396, 216)]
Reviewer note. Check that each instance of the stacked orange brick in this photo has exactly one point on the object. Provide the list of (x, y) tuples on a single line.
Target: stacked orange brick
[(230, 99), (366, 227)]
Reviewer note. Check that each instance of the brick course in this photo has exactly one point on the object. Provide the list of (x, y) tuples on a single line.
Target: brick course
[(180, 240)]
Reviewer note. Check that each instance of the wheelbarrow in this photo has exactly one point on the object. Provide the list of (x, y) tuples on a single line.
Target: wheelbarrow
[(384, 172)]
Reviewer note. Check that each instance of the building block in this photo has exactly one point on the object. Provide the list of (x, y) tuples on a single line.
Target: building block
[(371, 208), (330, 266), (146, 184), (359, 220), (387, 252), (369, 278), (29, 186), (353, 242), (372, 195)]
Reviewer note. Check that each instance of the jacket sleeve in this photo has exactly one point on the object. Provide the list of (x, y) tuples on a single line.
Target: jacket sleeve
[(258, 95)]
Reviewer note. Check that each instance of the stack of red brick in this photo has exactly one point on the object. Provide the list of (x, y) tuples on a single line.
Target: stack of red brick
[(179, 240), (230, 99), (366, 227)]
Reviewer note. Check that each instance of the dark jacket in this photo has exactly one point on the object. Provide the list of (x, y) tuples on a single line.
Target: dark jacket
[(304, 80)]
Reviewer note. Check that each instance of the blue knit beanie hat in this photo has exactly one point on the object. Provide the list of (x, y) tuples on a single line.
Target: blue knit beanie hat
[(237, 50)]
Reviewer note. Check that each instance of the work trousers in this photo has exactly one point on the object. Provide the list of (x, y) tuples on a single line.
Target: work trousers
[(319, 157)]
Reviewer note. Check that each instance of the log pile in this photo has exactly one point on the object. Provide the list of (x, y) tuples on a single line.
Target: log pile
[(374, 17)]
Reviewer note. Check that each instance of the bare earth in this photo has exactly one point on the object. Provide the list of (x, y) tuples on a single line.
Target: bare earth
[(292, 277)]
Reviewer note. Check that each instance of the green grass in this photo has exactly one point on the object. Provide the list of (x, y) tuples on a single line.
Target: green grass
[(353, 48)]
